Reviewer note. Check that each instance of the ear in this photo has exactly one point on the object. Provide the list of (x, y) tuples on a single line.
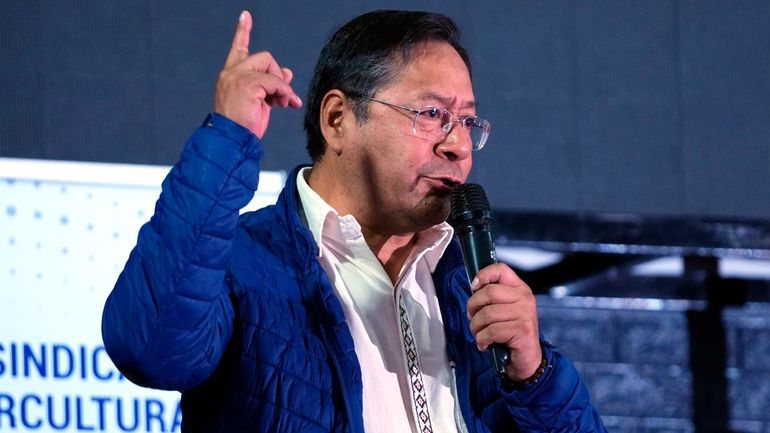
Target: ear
[(334, 109)]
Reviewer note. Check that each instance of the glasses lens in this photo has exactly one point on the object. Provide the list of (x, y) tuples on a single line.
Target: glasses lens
[(479, 132), (435, 123), (429, 121)]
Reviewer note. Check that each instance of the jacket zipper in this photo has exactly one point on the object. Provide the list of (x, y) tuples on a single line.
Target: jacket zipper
[(459, 420)]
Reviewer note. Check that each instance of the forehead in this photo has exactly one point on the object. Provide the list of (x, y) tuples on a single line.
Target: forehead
[(435, 73)]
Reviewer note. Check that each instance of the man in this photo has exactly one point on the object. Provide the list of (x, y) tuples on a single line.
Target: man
[(345, 307)]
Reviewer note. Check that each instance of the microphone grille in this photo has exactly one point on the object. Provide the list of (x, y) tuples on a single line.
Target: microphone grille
[(468, 197)]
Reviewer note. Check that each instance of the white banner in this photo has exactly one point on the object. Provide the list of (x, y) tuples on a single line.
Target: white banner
[(66, 230)]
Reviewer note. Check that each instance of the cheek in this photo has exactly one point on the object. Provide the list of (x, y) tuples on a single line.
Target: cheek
[(465, 168)]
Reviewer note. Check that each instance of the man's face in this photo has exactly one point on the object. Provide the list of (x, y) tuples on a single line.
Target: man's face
[(404, 181)]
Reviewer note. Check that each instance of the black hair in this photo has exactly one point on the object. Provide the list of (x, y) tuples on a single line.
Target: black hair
[(365, 55)]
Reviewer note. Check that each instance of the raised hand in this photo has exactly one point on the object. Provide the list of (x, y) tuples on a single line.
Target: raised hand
[(250, 85), (503, 310)]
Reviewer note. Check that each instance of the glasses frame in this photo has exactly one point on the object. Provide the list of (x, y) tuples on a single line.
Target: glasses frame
[(446, 128)]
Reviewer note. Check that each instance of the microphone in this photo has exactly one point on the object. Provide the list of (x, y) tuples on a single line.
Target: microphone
[(471, 217)]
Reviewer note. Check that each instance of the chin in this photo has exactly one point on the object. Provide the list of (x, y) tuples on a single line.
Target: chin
[(436, 210)]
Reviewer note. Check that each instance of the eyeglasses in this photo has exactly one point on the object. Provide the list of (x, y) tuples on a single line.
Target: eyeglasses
[(434, 123)]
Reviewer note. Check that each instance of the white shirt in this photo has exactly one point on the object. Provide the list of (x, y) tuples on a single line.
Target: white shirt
[(397, 376)]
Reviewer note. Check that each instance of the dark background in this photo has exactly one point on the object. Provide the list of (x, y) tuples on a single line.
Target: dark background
[(652, 107)]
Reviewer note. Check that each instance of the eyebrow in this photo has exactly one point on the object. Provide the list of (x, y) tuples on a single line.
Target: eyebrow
[(446, 101)]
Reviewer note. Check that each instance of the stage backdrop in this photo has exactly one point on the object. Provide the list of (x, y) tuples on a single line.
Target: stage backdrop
[(646, 106)]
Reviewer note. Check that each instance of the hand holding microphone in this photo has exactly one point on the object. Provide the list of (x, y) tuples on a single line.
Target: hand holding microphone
[(502, 309)]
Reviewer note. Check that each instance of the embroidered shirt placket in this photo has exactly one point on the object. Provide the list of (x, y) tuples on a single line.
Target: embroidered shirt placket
[(419, 398)]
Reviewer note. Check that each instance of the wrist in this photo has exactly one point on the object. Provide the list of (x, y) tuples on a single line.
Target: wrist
[(231, 130), (532, 379)]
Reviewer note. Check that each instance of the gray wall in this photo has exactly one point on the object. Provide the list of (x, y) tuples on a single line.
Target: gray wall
[(668, 370)]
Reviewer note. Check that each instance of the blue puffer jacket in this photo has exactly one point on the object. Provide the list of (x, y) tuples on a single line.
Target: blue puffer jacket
[(237, 313)]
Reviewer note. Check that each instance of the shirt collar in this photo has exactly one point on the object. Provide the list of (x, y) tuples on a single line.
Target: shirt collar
[(433, 242), (317, 211), (323, 220)]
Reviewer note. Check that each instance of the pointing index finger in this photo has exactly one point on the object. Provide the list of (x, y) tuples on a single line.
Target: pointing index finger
[(240, 47)]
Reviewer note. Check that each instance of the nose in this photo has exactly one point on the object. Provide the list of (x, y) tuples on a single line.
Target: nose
[(456, 145)]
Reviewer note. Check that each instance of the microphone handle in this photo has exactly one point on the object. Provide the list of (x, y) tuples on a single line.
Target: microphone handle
[(478, 250)]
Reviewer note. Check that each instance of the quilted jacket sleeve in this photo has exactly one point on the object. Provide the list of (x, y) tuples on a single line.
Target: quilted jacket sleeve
[(169, 317), (559, 402)]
